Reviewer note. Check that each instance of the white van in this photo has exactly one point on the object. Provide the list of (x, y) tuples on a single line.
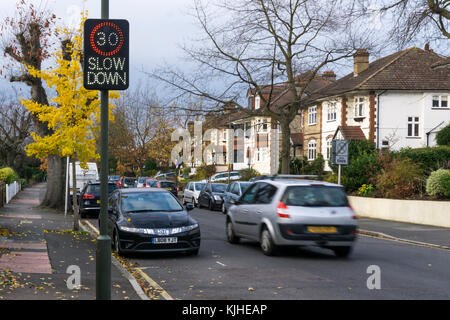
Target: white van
[(83, 176)]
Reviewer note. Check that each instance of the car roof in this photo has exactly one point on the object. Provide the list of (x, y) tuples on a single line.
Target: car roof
[(141, 190), (299, 182)]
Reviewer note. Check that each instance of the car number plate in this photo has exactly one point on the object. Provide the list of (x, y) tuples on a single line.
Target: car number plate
[(316, 229), (164, 240), (98, 201), (168, 188)]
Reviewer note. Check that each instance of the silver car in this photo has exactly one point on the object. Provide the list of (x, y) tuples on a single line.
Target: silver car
[(191, 192), (293, 212)]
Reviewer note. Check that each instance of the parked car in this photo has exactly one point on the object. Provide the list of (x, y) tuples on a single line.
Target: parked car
[(168, 185), (223, 176), (233, 192), (164, 176), (192, 191), (151, 220), (212, 196), (126, 182), (141, 182), (149, 181), (293, 213), (90, 197), (113, 178)]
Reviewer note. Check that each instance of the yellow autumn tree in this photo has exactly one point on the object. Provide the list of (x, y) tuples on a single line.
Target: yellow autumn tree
[(73, 113)]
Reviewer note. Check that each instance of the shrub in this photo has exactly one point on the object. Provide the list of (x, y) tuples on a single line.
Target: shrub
[(429, 159), (365, 190), (438, 183), (8, 175), (248, 173), (443, 136), (301, 166), (400, 179), (205, 171)]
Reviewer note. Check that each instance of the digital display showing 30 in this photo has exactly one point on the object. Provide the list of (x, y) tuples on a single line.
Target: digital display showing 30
[(106, 54)]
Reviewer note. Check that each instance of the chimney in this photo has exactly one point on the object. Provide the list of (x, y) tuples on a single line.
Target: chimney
[(329, 75), (360, 61)]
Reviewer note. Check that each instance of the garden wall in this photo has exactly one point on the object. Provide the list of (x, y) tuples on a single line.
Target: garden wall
[(433, 213)]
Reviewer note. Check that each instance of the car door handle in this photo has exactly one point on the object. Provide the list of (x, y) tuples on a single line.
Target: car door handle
[(245, 211), (258, 211)]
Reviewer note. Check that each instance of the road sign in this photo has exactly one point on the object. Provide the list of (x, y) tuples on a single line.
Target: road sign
[(340, 152), (106, 54)]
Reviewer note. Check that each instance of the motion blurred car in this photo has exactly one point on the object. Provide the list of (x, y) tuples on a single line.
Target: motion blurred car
[(289, 212), (192, 191), (151, 220), (233, 192), (90, 198), (212, 196)]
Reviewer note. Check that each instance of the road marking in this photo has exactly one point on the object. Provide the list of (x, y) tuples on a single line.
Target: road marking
[(155, 285), (223, 265), (92, 226)]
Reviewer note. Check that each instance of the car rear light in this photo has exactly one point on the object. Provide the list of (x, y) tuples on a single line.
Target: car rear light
[(88, 196), (281, 210), (144, 185), (159, 185), (354, 216)]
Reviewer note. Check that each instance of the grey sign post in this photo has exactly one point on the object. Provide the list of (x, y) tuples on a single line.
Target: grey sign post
[(340, 155)]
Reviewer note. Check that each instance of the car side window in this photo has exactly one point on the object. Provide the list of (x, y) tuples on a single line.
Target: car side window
[(249, 196), (191, 186), (235, 189), (265, 193)]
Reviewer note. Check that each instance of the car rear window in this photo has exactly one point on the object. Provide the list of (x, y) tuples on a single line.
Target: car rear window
[(218, 187), (199, 186), (95, 188), (167, 185), (150, 201), (142, 180), (315, 196)]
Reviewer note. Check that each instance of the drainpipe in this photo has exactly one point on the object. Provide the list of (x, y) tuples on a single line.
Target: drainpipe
[(378, 118), (429, 132)]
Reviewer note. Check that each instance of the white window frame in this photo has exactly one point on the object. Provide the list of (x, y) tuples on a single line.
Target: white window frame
[(257, 102), (329, 147), (440, 99), (414, 123), (312, 150), (360, 107), (312, 115), (332, 111)]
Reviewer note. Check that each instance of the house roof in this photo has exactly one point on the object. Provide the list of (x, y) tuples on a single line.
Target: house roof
[(351, 132), (410, 69)]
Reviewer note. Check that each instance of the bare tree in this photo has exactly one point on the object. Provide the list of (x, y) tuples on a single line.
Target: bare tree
[(26, 40), (264, 45)]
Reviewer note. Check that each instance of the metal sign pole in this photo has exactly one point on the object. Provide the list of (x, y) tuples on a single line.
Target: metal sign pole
[(103, 266), (339, 174)]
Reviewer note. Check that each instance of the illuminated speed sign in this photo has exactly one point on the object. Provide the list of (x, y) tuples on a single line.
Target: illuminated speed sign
[(106, 54)]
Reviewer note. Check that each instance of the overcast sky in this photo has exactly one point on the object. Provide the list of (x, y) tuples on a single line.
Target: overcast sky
[(157, 27)]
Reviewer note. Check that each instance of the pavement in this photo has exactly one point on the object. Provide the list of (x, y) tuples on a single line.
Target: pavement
[(37, 246)]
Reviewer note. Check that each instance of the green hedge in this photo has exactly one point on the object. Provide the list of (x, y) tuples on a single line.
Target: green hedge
[(8, 175), (429, 159)]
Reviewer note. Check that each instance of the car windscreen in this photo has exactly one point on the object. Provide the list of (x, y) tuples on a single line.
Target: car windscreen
[(149, 201), (199, 186), (244, 186), (315, 196), (142, 180), (167, 184), (95, 188), (218, 188)]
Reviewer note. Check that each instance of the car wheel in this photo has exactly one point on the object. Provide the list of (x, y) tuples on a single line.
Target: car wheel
[(342, 252), (267, 245), (193, 202), (117, 243), (231, 237), (224, 209)]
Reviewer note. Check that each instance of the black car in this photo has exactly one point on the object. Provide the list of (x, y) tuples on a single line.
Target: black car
[(90, 197), (167, 185), (151, 220), (212, 196), (129, 182)]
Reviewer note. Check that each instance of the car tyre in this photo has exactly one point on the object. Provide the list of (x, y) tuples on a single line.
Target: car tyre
[(224, 209), (193, 202), (342, 252), (117, 244), (231, 237), (268, 247)]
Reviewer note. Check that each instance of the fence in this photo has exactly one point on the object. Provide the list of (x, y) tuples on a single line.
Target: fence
[(11, 190)]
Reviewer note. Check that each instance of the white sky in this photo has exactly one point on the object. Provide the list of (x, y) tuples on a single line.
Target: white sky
[(157, 27)]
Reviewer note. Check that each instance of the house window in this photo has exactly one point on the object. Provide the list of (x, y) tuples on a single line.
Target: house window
[(257, 102), (329, 144), (312, 115), (332, 111), (264, 126), (359, 107), (250, 102), (440, 101), (413, 126), (312, 152)]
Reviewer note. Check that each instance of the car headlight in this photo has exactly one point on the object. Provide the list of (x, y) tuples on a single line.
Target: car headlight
[(217, 198)]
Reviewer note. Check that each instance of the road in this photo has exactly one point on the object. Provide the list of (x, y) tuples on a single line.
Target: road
[(224, 271)]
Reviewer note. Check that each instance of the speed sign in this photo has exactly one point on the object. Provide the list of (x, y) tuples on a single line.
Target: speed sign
[(106, 54)]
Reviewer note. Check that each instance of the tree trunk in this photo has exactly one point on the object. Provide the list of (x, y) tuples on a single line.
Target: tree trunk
[(285, 147), (76, 217), (54, 194)]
